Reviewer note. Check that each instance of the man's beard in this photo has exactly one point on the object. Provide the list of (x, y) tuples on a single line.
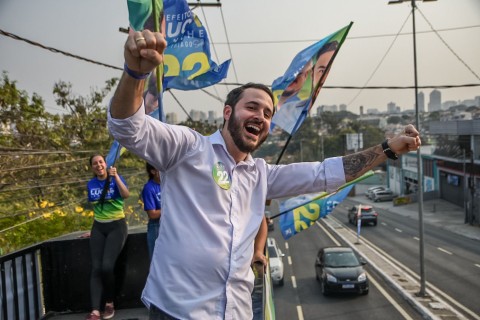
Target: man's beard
[(236, 133)]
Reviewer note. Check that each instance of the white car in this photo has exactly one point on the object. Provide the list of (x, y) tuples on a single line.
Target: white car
[(275, 261)]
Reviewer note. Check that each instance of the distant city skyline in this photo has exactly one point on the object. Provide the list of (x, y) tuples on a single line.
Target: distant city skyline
[(211, 116), (378, 51)]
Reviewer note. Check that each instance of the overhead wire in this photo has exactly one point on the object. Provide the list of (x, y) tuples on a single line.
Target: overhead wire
[(381, 61), (446, 44), (229, 45), (349, 38), (16, 37), (211, 41)]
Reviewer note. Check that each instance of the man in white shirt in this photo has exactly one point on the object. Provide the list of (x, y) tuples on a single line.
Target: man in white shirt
[(215, 191)]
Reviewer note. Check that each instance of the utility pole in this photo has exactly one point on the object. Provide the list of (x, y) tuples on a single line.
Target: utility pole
[(422, 291)]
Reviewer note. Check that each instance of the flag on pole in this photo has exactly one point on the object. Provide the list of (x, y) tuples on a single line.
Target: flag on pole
[(299, 213), (187, 59), (296, 91), (313, 208)]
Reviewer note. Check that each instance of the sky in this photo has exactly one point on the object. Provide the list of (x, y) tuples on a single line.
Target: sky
[(264, 36)]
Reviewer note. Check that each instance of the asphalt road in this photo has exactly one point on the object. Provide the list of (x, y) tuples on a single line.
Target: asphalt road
[(451, 264), (451, 260), (301, 298)]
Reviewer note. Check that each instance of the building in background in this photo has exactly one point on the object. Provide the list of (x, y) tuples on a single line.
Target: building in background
[(435, 103), (391, 107), (172, 118), (421, 102)]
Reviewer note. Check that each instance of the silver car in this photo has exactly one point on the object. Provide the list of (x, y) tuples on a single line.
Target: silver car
[(383, 195)]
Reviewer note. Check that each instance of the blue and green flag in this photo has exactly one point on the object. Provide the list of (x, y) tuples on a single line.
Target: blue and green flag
[(299, 213), (187, 60), (296, 91)]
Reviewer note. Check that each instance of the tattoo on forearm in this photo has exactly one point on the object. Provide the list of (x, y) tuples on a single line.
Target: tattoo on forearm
[(358, 163)]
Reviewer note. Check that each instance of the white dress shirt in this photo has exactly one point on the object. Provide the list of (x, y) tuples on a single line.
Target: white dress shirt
[(201, 264)]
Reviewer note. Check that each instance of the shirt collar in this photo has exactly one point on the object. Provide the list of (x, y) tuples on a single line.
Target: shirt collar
[(217, 138)]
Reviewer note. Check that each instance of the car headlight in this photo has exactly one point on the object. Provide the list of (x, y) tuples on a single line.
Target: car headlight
[(331, 278), (362, 277)]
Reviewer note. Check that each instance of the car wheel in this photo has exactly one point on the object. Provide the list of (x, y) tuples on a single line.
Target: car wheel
[(376, 200), (364, 292), (374, 223), (324, 289), (316, 276), (280, 283)]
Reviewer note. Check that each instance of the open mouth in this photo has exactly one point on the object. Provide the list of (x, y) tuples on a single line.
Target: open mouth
[(253, 129)]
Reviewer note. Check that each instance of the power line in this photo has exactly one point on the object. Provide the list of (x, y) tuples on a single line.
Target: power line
[(33, 43), (229, 46), (211, 40), (349, 37), (46, 165), (390, 87), (448, 47), (380, 62)]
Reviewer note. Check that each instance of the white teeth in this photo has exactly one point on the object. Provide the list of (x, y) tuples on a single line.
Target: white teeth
[(253, 127)]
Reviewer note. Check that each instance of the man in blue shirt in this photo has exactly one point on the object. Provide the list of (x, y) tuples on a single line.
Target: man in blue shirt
[(215, 191)]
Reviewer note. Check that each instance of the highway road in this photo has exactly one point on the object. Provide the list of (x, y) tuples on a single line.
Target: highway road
[(451, 263)]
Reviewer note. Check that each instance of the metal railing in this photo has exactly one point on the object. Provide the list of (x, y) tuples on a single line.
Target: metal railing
[(20, 285), (22, 289)]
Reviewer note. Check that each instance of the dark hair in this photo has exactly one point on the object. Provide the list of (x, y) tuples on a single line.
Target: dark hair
[(236, 94), (149, 168), (330, 46), (107, 181), (93, 156)]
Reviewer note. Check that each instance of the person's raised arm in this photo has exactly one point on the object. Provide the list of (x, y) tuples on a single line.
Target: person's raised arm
[(143, 52), (122, 188), (358, 163)]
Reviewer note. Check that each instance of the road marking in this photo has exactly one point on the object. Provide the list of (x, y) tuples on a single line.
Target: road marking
[(477, 265), (416, 238), (286, 245), (443, 250), (383, 224), (328, 233), (398, 230), (300, 312), (409, 272), (414, 275), (294, 282), (289, 260), (389, 298)]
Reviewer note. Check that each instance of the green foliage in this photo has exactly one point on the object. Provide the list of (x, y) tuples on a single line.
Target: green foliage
[(44, 164)]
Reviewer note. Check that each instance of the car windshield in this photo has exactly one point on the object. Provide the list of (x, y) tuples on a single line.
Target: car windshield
[(340, 259), (272, 253), (367, 210)]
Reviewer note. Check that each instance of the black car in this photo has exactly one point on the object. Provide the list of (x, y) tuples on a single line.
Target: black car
[(368, 215), (339, 270)]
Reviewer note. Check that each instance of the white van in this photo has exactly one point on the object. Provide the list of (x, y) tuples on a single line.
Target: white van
[(275, 261)]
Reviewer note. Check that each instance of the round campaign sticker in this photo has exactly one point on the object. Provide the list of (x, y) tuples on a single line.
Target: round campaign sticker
[(221, 176)]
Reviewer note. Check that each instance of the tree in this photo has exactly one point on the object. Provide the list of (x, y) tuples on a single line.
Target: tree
[(43, 174)]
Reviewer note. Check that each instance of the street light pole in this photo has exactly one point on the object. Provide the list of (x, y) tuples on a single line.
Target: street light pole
[(422, 291)]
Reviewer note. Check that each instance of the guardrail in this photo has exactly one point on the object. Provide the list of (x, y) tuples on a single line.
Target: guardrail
[(20, 285), (52, 277)]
